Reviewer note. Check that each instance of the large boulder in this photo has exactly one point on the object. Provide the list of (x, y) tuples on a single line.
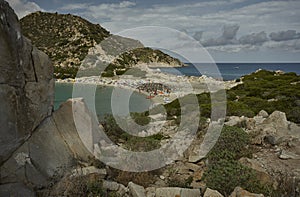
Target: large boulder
[(26, 84), (240, 192), (176, 191), (212, 193), (53, 148)]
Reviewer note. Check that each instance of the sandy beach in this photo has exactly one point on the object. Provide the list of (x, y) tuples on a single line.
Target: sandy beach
[(178, 85)]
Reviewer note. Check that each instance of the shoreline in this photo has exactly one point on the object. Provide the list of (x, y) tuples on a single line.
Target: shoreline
[(179, 85)]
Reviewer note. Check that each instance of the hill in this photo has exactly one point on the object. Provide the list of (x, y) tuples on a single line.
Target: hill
[(69, 39)]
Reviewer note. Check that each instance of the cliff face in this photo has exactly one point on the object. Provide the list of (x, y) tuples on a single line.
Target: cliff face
[(26, 84), (36, 145)]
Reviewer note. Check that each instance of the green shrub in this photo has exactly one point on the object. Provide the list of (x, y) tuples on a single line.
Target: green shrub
[(231, 144), (134, 143), (239, 109), (224, 172)]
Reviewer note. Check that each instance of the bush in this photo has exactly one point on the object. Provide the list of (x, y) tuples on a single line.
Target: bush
[(224, 172), (239, 109), (134, 143), (231, 144)]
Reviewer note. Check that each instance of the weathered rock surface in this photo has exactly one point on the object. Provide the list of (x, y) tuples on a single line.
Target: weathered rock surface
[(176, 191), (240, 192), (52, 149), (136, 190), (212, 193), (26, 84)]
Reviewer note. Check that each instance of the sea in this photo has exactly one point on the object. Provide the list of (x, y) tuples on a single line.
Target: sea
[(230, 71), (138, 102)]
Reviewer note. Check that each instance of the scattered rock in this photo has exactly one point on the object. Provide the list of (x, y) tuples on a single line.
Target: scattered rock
[(150, 192), (110, 185), (261, 173), (275, 140), (89, 170), (136, 190), (176, 192), (263, 113), (212, 193), (288, 155), (240, 192)]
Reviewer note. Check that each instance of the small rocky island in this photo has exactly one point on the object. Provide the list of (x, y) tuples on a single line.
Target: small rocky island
[(44, 153)]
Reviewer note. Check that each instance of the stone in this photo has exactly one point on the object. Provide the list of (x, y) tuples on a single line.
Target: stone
[(89, 170), (288, 155), (78, 127), (263, 113), (176, 191), (240, 192), (192, 167), (122, 191), (136, 190), (261, 173), (278, 121), (53, 147), (275, 140), (234, 121), (110, 185), (150, 192), (212, 193)]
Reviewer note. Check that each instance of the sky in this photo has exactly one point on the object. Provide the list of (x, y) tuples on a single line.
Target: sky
[(229, 30)]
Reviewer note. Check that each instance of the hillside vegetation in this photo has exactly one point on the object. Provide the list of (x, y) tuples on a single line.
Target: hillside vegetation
[(65, 38), (262, 90)]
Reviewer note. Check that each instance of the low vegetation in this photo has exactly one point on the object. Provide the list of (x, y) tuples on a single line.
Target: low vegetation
[(224, 171), (262, 90), (127, 60), (65, 38), (117, 135)]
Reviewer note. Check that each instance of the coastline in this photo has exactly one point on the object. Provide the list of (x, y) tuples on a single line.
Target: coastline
[(179, 85)]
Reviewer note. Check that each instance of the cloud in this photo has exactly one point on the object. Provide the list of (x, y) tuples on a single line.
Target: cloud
[(284, 35), (228, 37), (24, 7), (288, 45), (254, 38), (198, 35), (75, 6)]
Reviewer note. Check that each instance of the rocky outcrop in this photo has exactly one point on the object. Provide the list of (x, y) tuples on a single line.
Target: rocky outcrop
[(37, 145), (212, 193), (26, 84), (240, 192), (52, 150), (176, 191)]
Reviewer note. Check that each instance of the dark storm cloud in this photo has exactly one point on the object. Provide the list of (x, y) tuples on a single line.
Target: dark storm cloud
[(228, 37), (198, 35), (284, 35), (254, 38)]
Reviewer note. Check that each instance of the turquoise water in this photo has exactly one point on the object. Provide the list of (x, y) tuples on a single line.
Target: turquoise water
[(103, 95)]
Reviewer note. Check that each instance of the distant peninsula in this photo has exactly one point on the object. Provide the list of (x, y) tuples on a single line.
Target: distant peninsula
[(68, 40)]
